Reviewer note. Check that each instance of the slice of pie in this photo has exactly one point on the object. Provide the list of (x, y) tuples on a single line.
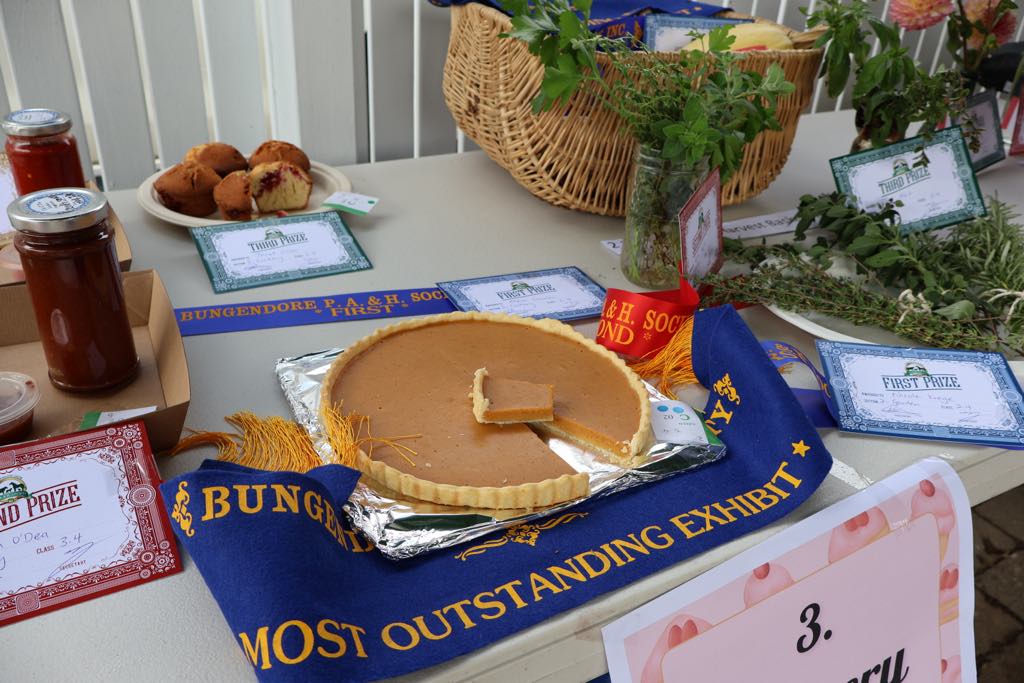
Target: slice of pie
[(410, 381), (499, 400)]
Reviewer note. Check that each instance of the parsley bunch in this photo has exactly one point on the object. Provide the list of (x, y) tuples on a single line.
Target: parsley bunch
[(693, 106)]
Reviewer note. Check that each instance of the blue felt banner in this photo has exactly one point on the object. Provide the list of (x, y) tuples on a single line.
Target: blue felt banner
[(307, 598), (260, 315)]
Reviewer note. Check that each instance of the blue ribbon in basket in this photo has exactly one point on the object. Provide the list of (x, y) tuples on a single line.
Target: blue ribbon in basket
[(308, 598), (260, 315), (614, 9)]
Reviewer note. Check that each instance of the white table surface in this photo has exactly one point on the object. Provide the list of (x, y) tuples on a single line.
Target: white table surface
[(439, 218)]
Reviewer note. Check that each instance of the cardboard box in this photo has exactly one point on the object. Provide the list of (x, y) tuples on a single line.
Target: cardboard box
[(8, 194), (162, 381)]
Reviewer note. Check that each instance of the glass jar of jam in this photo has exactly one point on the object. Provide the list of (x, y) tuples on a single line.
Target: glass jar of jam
[(43, 154), (66, 246)]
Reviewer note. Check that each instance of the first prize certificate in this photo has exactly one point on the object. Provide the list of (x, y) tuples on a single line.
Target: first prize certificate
[(559, 293), (80, 516), (928, 393)]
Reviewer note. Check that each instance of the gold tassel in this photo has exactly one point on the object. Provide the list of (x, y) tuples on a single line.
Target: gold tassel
[(274, 443), (266, 443), (673, 364)]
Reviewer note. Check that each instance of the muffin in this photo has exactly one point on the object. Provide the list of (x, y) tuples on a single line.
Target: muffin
[(276, 150), (280, 186), (188, 188), (234, 197), (221, 157)]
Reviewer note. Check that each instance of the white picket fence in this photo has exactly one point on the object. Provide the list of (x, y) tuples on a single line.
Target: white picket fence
[(348, 80)]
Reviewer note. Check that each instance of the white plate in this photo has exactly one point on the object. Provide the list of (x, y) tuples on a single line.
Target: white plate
[(836, 329), (326, 181)]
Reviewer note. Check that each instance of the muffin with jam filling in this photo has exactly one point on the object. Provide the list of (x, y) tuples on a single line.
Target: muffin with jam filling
[(280, 186)]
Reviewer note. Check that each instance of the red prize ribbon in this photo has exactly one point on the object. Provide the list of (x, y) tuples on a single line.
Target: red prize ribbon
[(639, 325)]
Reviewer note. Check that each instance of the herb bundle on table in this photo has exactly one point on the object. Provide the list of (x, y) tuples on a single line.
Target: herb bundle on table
[(961, 288), (688, 112)]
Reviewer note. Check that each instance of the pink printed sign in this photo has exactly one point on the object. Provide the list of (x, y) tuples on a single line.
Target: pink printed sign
[(869, 590)]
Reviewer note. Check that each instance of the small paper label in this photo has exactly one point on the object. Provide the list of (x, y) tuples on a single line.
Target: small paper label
[(359, 204), (676, 422), (760, 226), (57, 203), (614, 246), (35, 116), (98, 418)]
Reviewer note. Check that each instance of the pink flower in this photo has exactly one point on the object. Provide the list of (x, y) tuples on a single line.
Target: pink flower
[(985, 12), (916, 15)]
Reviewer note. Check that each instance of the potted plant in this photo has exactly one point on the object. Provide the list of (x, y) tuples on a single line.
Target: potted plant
[(975, 29), (687, 115), (890, 91)]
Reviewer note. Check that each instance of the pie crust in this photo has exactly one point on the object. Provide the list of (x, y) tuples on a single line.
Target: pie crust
[(527, 494), (535, 402)]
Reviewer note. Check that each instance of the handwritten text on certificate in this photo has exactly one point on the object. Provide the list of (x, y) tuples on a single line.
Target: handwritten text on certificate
[(79, 516)]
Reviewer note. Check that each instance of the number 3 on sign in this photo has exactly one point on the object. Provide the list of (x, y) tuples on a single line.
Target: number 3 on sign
[(889, 671), (809, 616)]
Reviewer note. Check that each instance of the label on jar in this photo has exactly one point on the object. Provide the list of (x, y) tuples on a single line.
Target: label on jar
[(35, 116), (57, 203)]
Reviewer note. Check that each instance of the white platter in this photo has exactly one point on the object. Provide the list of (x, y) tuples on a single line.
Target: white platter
[(836, 329), (326, 181)]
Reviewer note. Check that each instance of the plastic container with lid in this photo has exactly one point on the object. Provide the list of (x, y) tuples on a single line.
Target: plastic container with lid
[(42, 151), (18, 398), (67, 253)]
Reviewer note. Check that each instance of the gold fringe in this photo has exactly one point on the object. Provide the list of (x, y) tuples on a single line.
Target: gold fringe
[(672, 365), (227, 444), (274, 443), (266, 443)]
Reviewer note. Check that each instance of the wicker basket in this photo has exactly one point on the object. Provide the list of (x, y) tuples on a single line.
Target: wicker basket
[(578, 155)]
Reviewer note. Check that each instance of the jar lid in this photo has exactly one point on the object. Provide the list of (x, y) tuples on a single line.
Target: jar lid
[(35, 122), (64, 209), (19, 395)]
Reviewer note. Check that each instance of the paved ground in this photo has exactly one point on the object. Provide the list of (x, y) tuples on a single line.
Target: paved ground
[(999, 584)]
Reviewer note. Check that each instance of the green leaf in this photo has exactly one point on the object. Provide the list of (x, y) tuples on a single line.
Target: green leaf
[(884, 259), (864, 245), (961, 310)]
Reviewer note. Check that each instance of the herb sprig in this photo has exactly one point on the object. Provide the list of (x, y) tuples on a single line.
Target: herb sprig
[(970, 279)]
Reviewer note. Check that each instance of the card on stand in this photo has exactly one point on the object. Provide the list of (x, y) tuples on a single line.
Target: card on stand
[(983, 109), (80, 516), (932, 178), (700, 230), (274, 250), (1017, 142)]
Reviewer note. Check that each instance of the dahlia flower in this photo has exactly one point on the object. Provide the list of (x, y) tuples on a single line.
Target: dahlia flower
[(984, 11), (916, 15)]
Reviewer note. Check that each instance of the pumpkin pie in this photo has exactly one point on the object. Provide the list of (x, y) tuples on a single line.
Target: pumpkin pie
[(410, 380), (499, 400)]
